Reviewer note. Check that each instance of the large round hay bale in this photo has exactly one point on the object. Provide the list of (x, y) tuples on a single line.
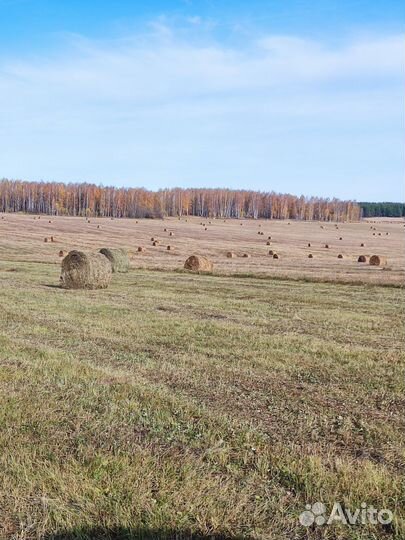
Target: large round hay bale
[(198, 263), (118, 258), (310, 256), (378, 260), (82, 270), (363, 259), (340, 256), (231, 255)]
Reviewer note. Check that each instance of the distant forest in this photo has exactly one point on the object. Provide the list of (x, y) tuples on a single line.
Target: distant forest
[(382, 209), (91, 200)]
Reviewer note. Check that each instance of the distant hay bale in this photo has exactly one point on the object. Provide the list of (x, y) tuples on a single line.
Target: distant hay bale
[(164, 230), (268, 243), (45, 239), (246, 255), (230, 255), (327, 246), (198, 263), (310, 256), (155, 243), (82, 270), (206, 229), (49, 221), (378, 260), (61, 253), (363, 259), (269, 238), (118, 258), (309, 245), (362, 244), (271, 252), (340, 256), (340, 238), (169, 248), (275, 256), (152, 239), (98, 226), (171, 233), (52, 239), (140, 248)]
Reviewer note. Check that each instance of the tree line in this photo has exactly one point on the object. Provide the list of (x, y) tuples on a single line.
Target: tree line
[(382, 209), (82, 199)]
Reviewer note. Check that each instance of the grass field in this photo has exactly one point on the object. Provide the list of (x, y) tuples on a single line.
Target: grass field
[(173, 404)]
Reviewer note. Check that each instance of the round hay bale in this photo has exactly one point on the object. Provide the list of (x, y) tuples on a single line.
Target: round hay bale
[(268, 243), (61, 253), (230, 255), (327, 246), (246, 255), (340, 256), (82, 270), (49, 221), (52, 239), (309, 245), (169, 248), (45, 239), (269, 238), (118, 258), (275, 256), (340, 238), (362, 244), (378, 260), (271, 252), (198, 263), (140, 248), (155, 243), (164, 230), (98, 226), (310, 256), (363, 259), (171, 233)]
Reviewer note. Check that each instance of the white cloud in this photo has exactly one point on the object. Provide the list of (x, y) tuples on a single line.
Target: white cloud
[(158, 94)]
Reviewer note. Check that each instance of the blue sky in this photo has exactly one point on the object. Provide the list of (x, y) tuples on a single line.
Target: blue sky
[(299, 96)]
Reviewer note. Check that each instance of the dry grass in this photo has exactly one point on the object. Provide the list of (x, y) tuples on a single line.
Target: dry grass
[(21, 238), (85, 270)]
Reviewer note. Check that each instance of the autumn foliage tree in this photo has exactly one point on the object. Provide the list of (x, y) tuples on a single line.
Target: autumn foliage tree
[(91, 200)]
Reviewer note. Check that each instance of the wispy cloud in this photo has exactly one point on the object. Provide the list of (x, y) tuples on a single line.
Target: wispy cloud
[(158, 94)]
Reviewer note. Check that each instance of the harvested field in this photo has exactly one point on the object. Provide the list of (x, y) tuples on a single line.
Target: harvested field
[(21, 239), (169, 406)]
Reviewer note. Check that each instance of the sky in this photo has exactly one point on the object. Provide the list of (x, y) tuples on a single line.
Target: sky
[(293, 96)]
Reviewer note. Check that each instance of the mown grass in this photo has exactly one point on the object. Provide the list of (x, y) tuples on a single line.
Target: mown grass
[(173, 405)]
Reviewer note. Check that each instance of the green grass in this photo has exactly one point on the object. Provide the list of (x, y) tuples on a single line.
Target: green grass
[(173, 404)]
